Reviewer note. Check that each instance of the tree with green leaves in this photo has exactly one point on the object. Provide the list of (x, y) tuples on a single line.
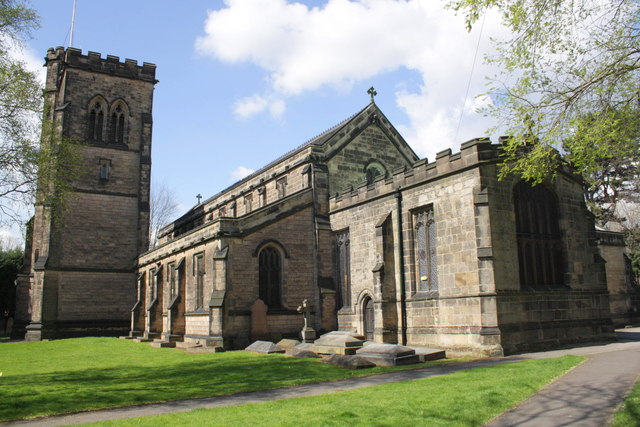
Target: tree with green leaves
[(20, 108), (35, 159), (10, 266), (568, 90)]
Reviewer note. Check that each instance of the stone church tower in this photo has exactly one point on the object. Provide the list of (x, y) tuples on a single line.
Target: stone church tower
[(81, 278)]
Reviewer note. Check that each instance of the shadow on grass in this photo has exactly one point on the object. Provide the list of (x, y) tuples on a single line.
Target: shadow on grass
[(29, 395)]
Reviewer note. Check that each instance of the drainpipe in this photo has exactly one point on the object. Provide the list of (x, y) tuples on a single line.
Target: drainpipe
[(399, 235)]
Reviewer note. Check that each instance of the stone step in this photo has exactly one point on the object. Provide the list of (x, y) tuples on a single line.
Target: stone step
[(142, 340), (197, 350), (162, 344)]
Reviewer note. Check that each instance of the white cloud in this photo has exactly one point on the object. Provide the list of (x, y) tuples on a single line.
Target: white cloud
[(240, 172), (304, 48), (249, 106)]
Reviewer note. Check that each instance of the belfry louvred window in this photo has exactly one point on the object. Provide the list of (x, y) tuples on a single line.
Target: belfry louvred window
[(116, 126), (96, 121), (538, 236)]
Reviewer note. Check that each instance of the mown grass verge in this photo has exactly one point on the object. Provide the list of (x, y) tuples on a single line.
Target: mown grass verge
[(465, 398), (629, 414), (55, 377)]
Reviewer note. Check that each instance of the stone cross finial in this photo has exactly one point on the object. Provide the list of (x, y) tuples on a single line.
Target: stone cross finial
[(199, 196), (373, 93)]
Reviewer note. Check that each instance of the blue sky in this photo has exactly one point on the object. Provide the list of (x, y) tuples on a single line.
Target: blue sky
[(244, 81)]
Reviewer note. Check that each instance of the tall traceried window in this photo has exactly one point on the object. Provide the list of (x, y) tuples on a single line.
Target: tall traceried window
[(198, 267), (538, 236), (344, 268), (425, 250), (270, 276), (117, 125), (96, 121)]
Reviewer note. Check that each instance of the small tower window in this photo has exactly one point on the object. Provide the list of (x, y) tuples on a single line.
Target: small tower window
[(105, 169), (96, 121)]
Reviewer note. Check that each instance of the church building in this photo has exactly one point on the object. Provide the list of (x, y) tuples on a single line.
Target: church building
[(379, 242)]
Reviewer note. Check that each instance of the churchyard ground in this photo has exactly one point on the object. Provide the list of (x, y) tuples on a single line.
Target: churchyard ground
[(54, 377), (471, 398)]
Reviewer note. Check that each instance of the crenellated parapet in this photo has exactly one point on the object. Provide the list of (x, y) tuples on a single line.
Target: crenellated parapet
[(472, 153), (110, 65)]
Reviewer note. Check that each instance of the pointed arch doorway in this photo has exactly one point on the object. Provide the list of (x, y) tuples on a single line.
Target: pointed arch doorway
[(367, 318)]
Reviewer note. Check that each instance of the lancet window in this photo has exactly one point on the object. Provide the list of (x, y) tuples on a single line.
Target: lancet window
[(425, 250), (344, 268)]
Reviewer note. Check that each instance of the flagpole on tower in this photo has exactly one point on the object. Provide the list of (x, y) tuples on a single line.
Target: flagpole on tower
[(73, 21)]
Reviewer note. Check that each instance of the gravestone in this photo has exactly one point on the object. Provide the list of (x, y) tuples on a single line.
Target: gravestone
[(259, 327), (308, 334), (264, 347)]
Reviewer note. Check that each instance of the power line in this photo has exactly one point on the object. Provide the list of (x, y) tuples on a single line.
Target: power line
[(473, 66)]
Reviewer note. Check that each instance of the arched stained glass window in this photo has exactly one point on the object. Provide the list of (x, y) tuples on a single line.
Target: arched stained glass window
[(270, 276)]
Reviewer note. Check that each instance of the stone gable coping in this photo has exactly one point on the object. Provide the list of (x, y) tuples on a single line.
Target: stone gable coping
[(111, 65)]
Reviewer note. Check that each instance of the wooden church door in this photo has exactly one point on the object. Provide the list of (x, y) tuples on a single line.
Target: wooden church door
[(368, 319)]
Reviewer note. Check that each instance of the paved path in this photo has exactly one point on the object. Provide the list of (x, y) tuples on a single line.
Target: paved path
[(586, 396)]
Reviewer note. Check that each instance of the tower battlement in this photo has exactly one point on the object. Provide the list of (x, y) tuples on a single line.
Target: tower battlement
[(111, 65)]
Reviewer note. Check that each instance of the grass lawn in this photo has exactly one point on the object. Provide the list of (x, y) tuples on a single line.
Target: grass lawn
[(465, 398), (629, 414), (45, 378)]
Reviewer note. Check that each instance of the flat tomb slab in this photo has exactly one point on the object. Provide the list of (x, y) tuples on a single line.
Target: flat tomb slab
[(388, 354), (337, 343), (426, 353), (264, 347)]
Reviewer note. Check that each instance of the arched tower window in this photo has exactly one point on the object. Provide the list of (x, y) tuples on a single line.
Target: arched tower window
[(270, 276), (96, 120), (117, 124), (373, 170), (538, 236)]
